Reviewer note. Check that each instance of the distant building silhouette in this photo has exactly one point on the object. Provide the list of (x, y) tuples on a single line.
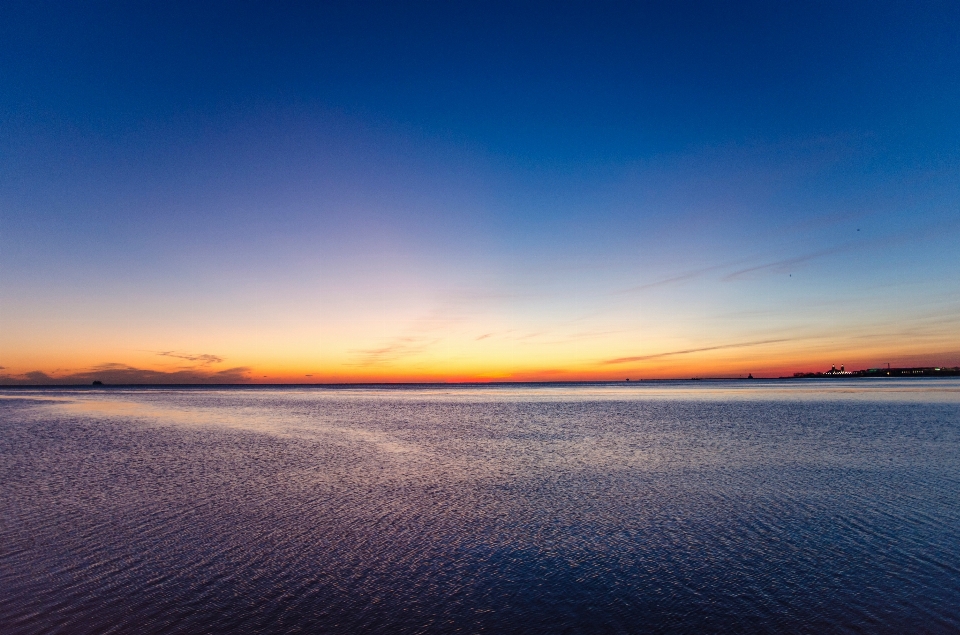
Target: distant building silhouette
[(930, 371)]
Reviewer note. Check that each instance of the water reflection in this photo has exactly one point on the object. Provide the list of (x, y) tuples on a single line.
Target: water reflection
[(688, 507)]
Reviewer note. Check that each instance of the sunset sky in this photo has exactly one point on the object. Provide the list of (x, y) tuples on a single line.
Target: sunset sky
[(232, 192)]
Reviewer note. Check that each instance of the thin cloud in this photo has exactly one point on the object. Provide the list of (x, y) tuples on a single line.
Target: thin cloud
[(640, 358), (204, 359), (662, 283), (887, 240), (682, 277), (399, 348), (782, 265), (114, 373)]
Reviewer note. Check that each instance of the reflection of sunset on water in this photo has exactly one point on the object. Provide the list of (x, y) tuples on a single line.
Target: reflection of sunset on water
[(379, 508)]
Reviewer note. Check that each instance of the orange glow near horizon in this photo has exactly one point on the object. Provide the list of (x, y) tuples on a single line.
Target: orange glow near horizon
[(409, 329), (465, 361)]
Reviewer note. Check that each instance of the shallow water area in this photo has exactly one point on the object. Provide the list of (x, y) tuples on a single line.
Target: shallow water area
[(765, 506)]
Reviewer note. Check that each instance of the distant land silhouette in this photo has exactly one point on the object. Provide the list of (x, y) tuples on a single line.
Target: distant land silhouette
[(834, 373), (924, 371)]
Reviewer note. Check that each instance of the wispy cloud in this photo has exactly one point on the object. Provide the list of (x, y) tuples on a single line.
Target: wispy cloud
[(425, 331), (398, 348), (680, 277), (114, 373), (640, 358), (776, 265), (783, 265), (886, 240), (786, 263), (204, 359)]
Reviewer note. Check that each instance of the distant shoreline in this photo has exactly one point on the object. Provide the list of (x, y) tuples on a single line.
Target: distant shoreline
[(806, 377)]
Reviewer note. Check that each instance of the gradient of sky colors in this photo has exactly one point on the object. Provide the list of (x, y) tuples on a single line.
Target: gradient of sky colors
[(437, 191)]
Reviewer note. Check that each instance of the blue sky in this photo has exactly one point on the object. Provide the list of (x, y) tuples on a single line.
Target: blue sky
[(362, 191)]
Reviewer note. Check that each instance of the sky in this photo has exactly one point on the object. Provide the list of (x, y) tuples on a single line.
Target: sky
[(355, 192)]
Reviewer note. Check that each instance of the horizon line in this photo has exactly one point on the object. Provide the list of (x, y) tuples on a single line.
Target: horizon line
[(470, 383)]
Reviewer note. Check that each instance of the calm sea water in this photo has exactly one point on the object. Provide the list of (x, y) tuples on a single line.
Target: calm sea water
[(803, 507)]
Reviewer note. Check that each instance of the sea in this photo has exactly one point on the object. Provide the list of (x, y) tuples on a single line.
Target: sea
[(796, 506)]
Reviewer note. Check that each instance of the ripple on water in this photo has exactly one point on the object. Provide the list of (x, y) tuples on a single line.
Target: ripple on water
[(581, 509)]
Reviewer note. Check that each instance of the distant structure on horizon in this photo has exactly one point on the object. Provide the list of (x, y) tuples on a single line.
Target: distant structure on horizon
[(925, 371)]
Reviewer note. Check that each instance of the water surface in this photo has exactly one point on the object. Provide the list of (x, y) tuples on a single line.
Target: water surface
[(809, 506)]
